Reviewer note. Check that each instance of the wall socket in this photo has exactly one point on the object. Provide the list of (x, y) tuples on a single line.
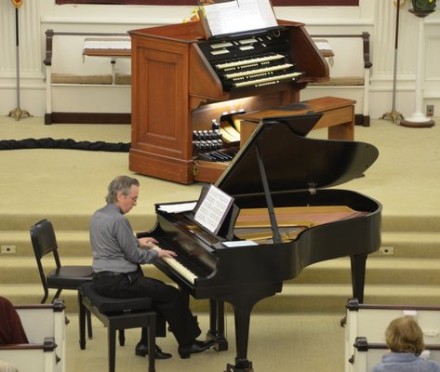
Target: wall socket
[(386, 251), (429, 110), (8, 249)]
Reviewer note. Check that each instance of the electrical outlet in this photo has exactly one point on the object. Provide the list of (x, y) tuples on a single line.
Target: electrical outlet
[(386, 251), (8, 249), (429, 110)]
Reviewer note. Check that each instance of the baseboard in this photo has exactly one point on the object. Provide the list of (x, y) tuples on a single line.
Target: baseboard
[(87, 118), (121, 118)]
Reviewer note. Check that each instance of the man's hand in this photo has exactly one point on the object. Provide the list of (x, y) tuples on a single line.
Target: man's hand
[(151, 243), (164, 253), (147, 242)]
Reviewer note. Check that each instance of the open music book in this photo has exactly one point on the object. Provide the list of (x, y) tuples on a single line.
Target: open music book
[(237, 16), (212, 208)]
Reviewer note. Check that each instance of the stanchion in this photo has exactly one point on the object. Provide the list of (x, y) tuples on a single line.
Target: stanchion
[(394, 115), (418, 119), (18, 113)]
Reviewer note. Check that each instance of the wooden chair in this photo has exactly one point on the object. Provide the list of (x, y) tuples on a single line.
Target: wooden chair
[(62, 277), (117, 314)]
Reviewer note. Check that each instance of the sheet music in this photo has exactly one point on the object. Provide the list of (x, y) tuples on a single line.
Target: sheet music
[(239, 16), (178, 207), (239, 243), (213, 209)]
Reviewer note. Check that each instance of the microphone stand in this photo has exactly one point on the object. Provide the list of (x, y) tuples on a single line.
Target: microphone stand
[(393, 114), (18, 113)]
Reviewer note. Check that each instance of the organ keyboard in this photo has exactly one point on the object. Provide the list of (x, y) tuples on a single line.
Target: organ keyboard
[(261, 60)]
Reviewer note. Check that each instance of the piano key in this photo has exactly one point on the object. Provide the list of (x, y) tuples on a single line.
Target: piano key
[(177, 266), (219, 51), (248, 41), (270, 57), (221, 45), (272, 79), (258, 71)]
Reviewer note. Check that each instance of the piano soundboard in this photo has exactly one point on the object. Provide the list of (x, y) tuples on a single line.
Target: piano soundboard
[(252, 61)]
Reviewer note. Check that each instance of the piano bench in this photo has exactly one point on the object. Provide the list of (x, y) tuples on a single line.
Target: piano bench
[(117, 314)]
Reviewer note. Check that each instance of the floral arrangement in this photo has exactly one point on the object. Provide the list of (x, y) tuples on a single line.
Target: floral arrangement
[(424, 5)]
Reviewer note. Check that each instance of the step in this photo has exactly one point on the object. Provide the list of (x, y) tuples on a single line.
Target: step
[(411, 223), (293, 298), (22, 222), (15, 270), (71, 243), (413, 244)]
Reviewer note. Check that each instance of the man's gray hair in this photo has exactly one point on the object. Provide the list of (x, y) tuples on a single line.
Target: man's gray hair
[(120, 183)]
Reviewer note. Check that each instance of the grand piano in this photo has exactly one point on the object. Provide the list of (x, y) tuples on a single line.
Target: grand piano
[(283, 218)]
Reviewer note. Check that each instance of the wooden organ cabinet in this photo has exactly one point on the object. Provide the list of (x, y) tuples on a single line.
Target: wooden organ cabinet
[(176, 92)]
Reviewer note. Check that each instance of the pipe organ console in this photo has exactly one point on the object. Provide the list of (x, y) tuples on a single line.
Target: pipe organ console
[(182, 82)]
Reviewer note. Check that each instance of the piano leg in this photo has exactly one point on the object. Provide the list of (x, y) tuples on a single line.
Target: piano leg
[(358, 267), (217, 325), (242, 322), (242, 314)]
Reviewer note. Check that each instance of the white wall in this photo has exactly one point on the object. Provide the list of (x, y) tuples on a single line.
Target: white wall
[(374, 16)]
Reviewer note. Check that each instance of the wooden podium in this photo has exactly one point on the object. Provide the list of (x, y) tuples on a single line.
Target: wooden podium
[(175, 91)]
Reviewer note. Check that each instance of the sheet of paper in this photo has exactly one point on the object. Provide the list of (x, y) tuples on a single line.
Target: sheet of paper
[(213, 209), (178, 207), (239, 243), (239, 16)]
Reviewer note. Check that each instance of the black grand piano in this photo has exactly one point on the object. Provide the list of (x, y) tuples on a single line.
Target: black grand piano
[(282, 220)]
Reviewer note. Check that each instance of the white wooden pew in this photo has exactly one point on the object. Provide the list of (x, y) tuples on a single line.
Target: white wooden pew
[(350, 68), (367, 355), (371, 320), (46, 320), (32, 357)]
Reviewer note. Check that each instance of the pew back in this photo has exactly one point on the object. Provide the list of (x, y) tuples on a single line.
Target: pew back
[(370, 321)]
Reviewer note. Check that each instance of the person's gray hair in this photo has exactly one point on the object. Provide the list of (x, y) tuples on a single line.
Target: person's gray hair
[(120, 183)]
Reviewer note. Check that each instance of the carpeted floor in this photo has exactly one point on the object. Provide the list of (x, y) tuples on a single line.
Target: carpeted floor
[(282, 343), (404, 178)]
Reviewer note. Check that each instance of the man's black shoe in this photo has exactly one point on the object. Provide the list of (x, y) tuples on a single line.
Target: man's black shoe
[(142, 350), (195, 347)]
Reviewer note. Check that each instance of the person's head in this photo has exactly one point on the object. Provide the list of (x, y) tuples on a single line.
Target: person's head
[(404, 335), (123, 191)]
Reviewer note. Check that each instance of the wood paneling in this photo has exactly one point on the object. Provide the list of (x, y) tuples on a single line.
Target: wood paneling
[(194, 2)]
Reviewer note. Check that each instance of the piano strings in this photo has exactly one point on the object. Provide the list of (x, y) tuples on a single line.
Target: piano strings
[(254, 224)]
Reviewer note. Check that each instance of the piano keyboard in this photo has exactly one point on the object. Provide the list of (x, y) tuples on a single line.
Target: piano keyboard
[(178, 267)]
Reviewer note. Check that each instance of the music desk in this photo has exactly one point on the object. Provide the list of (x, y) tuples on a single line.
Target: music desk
[(338, 117), (110, 47)]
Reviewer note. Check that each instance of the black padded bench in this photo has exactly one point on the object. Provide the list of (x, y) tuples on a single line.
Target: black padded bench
[(117, 314)]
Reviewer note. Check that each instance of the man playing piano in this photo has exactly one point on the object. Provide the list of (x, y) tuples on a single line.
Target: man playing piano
[(117, 256)]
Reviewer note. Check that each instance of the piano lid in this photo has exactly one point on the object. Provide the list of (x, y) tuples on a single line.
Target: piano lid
[(292, 161)]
